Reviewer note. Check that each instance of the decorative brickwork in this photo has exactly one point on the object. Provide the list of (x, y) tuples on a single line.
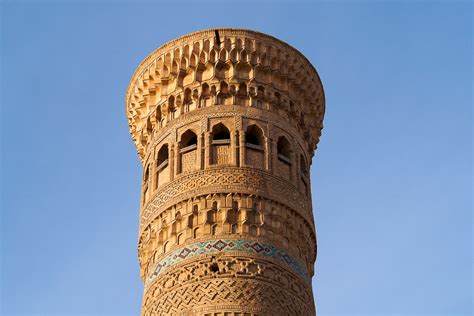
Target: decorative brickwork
[(221, 154), (218, 246), (226, 122)]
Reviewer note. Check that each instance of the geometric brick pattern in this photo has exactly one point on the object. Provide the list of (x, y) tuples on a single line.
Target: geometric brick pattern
[(255, 296), (245, 180), (225, 245)]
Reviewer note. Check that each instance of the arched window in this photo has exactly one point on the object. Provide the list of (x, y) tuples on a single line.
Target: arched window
[(220, 151), (284, 150), (220, 134), (188, 158), (162, 160), (162, 170), (254, 151), (189, 138), (254, 137)]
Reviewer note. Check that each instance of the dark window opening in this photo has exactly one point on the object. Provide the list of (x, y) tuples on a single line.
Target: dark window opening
[(284, 150), (220, 134), (254, 136), (162, 160), (188, 141)]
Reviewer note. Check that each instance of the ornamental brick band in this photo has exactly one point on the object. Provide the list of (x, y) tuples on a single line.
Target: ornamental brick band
[(226, 122), (218, 246)]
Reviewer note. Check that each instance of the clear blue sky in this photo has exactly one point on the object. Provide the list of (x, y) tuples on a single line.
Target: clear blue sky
[(391, 179)]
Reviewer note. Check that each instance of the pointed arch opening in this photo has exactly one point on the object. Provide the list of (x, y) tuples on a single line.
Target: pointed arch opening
[(254, 137), (284, 150), (284, 163), (162, 166), (220, 134), (220, 152), (254, 150), (188, 139), (188, 152)]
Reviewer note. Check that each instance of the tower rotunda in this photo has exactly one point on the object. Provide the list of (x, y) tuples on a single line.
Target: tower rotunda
[(226, 122)]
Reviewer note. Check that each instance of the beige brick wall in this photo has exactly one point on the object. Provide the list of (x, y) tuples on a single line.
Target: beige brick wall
[(254, 158), (284, 169), (188, 161), (163, 176)]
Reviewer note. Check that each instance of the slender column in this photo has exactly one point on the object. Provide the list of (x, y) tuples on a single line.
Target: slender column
[(268, 153), (144, 187), (201, 151), (171, 158), (234, 148), (242, 148), (207, 150), (198, 152), (153, 175), (293, 165), (178, 159), (273, 154)]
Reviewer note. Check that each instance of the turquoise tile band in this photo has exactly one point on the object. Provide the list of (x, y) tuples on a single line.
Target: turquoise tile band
[(225, 245)]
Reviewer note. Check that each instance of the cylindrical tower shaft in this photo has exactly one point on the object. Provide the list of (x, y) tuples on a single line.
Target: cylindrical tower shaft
[(226, 122)]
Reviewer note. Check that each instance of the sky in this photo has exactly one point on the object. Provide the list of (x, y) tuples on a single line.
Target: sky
[(391, 179)]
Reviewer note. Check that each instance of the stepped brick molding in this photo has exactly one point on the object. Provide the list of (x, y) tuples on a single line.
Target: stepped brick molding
[(226, 122)]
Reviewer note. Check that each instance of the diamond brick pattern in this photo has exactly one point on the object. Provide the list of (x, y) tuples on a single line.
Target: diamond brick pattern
[(225, 245)]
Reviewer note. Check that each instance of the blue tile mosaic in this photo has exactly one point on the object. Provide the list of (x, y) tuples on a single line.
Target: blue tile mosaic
[(224, 245)]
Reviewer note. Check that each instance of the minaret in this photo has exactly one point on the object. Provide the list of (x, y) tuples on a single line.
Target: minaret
[(226, 122)]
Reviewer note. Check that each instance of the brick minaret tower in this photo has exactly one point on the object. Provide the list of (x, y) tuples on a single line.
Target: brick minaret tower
[(226, 122)]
